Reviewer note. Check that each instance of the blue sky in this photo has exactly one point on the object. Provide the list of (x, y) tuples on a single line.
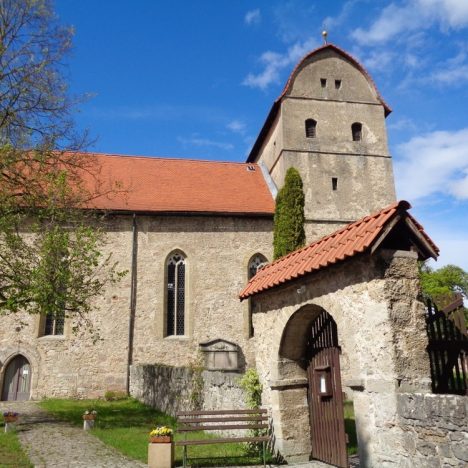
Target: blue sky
[(196, 79)]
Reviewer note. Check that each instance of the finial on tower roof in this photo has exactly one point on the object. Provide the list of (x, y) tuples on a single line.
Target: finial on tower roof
[(324, 35)]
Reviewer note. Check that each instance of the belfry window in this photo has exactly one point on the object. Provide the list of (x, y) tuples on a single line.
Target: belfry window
[(356, 130), (175, 288), (311, 128)]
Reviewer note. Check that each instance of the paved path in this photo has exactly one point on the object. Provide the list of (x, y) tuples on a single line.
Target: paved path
[(51, 443)]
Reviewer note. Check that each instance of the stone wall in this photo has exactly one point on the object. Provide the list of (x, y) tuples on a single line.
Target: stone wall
[(172, 389), (375, 366), (435, 429), (217, 249)]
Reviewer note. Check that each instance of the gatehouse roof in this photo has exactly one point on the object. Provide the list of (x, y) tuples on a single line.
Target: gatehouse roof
[(392, 227), (170, 185)]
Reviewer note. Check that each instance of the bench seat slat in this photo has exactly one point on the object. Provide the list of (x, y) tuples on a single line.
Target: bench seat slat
[(182, 443), (234, 419), (219, 412), (218, 427)]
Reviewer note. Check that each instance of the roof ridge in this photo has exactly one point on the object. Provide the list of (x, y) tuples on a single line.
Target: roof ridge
[(165, 158)]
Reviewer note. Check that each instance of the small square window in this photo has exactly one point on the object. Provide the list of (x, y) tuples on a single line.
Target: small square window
[(337, 84), (323, 82)]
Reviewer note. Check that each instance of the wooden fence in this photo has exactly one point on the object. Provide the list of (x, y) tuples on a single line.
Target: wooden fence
[(448, 347)]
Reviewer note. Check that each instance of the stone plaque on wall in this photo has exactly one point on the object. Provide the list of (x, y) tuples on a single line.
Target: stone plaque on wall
[(220, 355)]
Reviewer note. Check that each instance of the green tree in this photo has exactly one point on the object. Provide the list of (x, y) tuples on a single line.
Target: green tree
[(288, 232), (50, 248), (441, 284)]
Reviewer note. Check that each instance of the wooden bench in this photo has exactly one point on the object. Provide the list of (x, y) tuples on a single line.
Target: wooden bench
[(221, 420)]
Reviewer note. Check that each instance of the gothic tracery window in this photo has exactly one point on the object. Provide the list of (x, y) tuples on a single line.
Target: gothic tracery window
[(175, 288)]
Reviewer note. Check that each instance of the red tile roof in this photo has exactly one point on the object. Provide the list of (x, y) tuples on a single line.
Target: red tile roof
[(148, 184), (276, 105), (353, 239)]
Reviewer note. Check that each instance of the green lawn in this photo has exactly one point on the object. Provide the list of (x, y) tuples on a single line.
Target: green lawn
[(350, 427), (125, 425), (11, 452)]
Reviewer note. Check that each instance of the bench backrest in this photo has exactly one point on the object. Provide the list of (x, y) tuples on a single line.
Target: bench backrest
[(222, 419)]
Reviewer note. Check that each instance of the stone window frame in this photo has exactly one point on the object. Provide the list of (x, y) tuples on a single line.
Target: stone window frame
[(172, 254), (41, 327), (256, 256)]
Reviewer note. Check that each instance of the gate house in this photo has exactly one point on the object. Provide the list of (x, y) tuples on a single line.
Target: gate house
[(352, 296)]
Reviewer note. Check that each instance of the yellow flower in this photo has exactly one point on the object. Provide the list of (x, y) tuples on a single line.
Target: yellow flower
[(161, 431)]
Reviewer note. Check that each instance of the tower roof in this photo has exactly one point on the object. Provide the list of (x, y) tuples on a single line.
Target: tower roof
[(276, 105)]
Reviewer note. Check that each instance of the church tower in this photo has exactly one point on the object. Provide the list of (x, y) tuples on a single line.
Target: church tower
[(329, 123)]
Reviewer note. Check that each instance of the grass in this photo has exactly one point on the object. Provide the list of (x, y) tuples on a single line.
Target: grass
[(11, 452), (350, 427), (125, 425)]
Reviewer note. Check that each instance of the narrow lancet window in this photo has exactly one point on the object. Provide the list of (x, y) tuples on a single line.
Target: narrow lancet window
[(311, 128), (356, 130), (175, 308)]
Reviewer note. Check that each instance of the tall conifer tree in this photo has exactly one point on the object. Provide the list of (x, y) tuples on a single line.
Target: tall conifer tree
[(289, 218)]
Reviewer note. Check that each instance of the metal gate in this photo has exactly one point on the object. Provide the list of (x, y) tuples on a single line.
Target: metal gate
[(325, 395), (17, 380)]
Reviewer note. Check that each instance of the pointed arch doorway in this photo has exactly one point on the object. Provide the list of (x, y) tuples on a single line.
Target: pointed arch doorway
[(17, 380)]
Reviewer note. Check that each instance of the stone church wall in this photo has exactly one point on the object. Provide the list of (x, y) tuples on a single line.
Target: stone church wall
[(217, 250), (172, 389)]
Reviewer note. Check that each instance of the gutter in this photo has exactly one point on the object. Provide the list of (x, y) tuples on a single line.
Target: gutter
[(133, 291)]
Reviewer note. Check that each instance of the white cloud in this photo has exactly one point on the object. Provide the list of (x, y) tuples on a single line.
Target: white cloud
[(400, 18), (196, 140), (275, 62), (455, 75), (433, 163), (252, 17), (237, 126)]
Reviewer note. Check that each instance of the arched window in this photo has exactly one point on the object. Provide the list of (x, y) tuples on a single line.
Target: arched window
[(257, 262), (175, 289), (310, 128), (356, 130)]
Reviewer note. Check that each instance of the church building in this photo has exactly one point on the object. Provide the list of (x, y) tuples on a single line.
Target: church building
[(193, 233)]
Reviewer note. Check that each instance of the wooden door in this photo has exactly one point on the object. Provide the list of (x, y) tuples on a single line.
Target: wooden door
[(325, 395), (17, 380)]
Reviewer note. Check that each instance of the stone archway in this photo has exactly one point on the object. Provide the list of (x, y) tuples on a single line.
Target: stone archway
[(17, 379), (292, 392)]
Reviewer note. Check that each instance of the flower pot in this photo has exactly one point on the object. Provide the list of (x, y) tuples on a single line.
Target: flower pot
[(160, 439)]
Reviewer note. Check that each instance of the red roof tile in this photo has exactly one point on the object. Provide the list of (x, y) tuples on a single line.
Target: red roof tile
[(347, 242), (178, 185)]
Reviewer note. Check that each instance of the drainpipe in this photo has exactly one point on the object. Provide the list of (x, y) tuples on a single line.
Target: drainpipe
[(133, 290)]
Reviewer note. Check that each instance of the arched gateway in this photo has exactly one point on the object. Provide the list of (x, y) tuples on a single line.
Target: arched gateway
[(359, 285), (17, 379), (309, 348)]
